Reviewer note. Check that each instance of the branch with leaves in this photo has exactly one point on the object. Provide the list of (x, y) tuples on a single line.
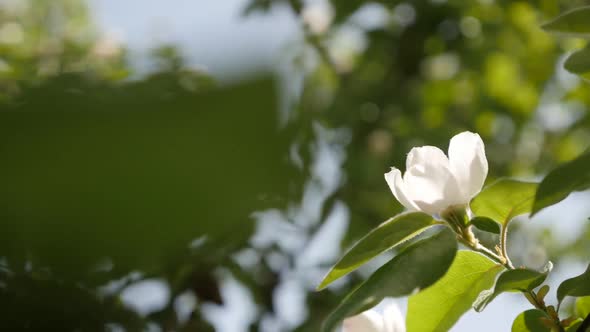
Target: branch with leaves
[(575, 23), (314, 40), (445, 195)]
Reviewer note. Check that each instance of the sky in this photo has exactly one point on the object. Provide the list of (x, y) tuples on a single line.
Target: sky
[(214, 35)]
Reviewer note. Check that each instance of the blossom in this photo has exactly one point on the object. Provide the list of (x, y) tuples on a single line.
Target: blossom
[(391, 320), (432, 182), (318, 17)]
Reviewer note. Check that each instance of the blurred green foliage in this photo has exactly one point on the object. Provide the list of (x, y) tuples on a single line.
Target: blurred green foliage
[(128, 176), (103, 175)]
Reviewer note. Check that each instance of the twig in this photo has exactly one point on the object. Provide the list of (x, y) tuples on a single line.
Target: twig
[(503, 245)]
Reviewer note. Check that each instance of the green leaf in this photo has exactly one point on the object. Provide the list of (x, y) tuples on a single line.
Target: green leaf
[(583, 306), (84, 171), (579, 61), (512, 280), (438, 307), (485, 224), (504, 199), (573, 327), (530, 321), (576, 21), (576, 286), (543, 292), (386, 236), (416, 267), (559, 183)]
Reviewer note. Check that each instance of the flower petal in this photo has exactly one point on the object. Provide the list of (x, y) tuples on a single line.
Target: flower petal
[(427, 189), (368, 321), (426, 155), (468, 163), (429, 182), (393, 320), (398, 188)]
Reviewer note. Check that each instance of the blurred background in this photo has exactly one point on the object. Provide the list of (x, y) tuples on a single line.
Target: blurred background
[(185, 165)]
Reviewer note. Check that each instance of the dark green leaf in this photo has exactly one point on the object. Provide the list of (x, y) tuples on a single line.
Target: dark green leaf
[(416, 267), (559, 183), (438, 307), (504, 199), (576, 21), (579, 61), (93, 173), (386, 236), (485, 224), (530, 321), (576, 286), (512, 280)]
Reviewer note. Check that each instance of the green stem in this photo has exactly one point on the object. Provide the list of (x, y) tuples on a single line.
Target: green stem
[(503, 245), (482, 249)]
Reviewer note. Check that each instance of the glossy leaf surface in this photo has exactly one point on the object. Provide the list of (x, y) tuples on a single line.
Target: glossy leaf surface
[(511, 280), (576, 286), (438, 307), (416, 267), (386, 236), (504, 199), (559, 183)]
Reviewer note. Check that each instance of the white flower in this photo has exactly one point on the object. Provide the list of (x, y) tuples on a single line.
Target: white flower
[(391, 320), (318, 17), (432, 182)]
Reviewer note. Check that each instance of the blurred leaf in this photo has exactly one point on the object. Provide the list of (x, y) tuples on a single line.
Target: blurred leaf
[(255, 6), (530, 321), (504, 199), (485, 224), (583, 306), (386, 236), (542, 292), (132, 173), (576, 286), (345, 9), (438, 307), (416, 267), (560, 182), (35, 303), (576, 21), (512, 280), (575, 325), (579, 61)]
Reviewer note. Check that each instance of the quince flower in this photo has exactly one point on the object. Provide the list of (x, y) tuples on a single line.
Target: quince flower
[(434, 183), (391, 320)]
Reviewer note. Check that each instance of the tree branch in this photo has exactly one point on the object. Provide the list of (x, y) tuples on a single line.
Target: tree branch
[(313, 40)]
